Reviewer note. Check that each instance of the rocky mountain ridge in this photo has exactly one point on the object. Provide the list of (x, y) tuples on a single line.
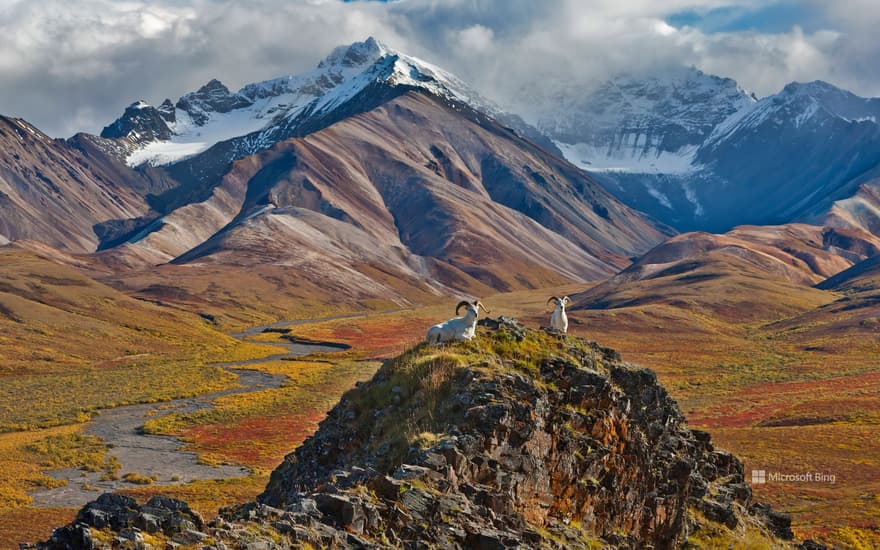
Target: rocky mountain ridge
[(418, 187), (263, 113), (376, 175), (518, 439), (60, 192)]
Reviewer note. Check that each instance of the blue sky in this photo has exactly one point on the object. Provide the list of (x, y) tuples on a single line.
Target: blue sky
[(768, 17), (70, 65)]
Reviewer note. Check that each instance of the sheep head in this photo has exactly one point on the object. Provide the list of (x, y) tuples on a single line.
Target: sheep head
[(471, 306), (561, 302)]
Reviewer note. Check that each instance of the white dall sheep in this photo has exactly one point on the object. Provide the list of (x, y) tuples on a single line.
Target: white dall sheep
[(558, 319), (458, 328)]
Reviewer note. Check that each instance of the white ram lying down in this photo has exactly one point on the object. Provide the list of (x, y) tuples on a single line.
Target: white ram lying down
[(558, 319), (458, 328)]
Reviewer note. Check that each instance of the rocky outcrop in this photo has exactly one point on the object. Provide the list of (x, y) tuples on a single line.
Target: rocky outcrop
[(213, 97), (121, 515), (520, 439), (141, 123)]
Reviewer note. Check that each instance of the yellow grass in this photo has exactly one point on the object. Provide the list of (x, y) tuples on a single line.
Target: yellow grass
[(727, 349), (22, 461)]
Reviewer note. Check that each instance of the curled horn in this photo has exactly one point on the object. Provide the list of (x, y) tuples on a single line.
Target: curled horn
[(478, 304), (460, 304), (566, 300), (554, 299)]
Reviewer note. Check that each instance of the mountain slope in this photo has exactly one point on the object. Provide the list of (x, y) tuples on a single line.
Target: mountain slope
[(207, 129), (413, 185), (748, 273), (827, 139), (374, 176), (61, 193), (698, 153), (861, 211), (652, 124), (864, 275)]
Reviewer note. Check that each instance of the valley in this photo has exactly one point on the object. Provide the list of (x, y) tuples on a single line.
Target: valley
[(766, 386)]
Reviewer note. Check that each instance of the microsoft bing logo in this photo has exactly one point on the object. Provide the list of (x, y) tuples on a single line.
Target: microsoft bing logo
[(760, 477)]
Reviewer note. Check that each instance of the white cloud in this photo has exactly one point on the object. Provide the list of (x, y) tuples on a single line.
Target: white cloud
[(476, 38), (68, 65)]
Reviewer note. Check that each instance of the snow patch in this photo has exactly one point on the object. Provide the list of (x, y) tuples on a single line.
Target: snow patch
[(191, 139), (807, 114), (657, 194), (691, 196), (749, 116), (633, 156)]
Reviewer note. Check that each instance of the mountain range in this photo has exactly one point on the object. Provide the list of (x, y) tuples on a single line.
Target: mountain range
[(374, 175), (391, 174), (698, 152), (379, 175)]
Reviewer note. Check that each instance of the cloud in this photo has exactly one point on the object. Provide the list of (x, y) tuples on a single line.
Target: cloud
[(69, 65), (476, 38)]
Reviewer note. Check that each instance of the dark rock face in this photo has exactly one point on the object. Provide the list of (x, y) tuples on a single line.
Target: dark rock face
[(212, 97), (140, 123), (166, 110), (520, 439), (160, 515)]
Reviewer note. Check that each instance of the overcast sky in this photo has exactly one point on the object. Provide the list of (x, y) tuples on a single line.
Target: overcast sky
[(73, 65)]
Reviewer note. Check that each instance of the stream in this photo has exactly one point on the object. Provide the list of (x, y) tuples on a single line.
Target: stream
[(163, 457)]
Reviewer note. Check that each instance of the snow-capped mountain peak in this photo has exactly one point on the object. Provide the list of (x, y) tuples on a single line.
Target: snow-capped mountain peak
[(650, 123), (267, 111), (800, 105), (358, 54)]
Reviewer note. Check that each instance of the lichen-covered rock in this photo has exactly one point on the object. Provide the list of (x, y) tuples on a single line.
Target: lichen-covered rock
[(123, 515), (518, 439)]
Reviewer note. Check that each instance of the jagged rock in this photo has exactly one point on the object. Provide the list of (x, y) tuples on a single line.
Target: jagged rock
[(720, 512), (167, 111), (387, 487), (172, 517), (140, 123), (778, 522), (189, 537), (345, 511), (131, 534), (213, 97), (509, 324), (147, 523), (543, 441), (305, 506)]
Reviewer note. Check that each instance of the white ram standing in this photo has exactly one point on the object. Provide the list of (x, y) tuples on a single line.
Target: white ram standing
[(558, 319), (457, 328)]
